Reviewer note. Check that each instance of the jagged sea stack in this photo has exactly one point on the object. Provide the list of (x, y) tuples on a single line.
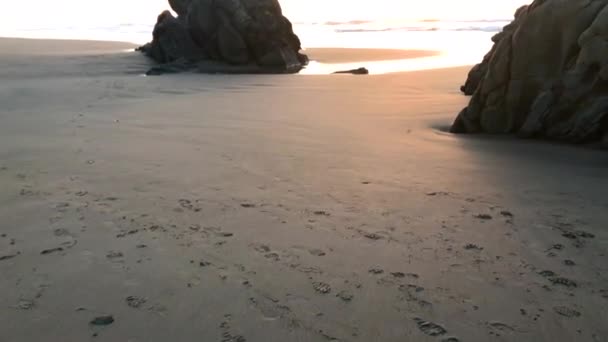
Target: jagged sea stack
[(225, 36), (545, 77)]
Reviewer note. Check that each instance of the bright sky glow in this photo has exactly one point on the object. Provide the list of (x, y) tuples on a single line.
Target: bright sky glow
[(78, 12)]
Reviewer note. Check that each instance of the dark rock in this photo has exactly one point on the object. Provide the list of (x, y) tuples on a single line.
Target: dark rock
[(359, 71), (237, 36), (546, 75)]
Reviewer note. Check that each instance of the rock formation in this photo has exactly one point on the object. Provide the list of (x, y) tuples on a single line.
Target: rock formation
[(225, 36), (546, 75)]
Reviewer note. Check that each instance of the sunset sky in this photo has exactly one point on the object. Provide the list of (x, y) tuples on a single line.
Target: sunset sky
[(77, 12)]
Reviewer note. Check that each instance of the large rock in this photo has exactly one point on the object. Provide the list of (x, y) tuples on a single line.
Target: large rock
[(229, 35), (546, 75)]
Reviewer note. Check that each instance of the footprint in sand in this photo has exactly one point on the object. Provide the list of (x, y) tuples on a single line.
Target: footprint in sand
[(135, 302), (484, 217), (376, 271), (345, 296), (9, 256), (430, 328), (114, 256), (317, 252), (322, 287), (566, 312), (51, 251)]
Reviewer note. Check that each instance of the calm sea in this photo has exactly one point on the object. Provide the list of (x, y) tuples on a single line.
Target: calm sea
[(461, 42)]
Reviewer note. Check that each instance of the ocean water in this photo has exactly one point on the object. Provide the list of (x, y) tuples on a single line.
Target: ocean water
[(460, 42)]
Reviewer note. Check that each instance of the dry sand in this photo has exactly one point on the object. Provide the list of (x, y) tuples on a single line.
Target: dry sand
[(282, 208)]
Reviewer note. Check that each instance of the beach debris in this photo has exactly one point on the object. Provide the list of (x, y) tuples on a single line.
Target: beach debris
[(248, 205), (135, 302), (322, 287), (321, 213), (345, 296), (398, 274), (566, 312), (51, 250), (102, 320), (358, 71), (203, 263), (430, 328)]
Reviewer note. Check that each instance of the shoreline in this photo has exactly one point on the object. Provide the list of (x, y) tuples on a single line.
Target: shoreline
[(324, 61)]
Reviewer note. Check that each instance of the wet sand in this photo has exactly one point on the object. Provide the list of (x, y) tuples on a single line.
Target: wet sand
[(347, 55), (282, 208)]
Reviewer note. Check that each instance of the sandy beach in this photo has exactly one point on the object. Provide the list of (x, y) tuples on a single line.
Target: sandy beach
[(282, 208)]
